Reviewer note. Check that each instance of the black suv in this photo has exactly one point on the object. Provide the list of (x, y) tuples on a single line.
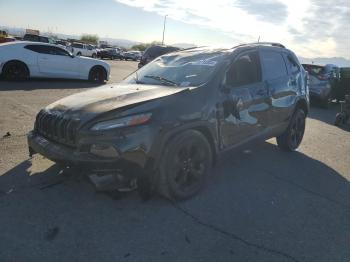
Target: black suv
[(165, 124), (155, 51), (37, 38)]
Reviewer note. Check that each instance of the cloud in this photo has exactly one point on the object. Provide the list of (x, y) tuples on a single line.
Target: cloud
[(269, 10), (326, 27), (314, 27)]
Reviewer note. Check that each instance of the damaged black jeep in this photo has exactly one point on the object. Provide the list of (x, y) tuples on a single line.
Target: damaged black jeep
[(166, 123)]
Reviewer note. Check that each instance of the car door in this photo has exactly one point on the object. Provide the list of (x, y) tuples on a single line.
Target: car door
[(281, 85), (56, 62), (244, 103)]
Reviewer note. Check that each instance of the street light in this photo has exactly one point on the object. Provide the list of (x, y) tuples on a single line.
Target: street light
[(164, 28)]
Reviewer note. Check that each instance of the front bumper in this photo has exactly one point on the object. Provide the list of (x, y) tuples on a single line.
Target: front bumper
[(81, 156)]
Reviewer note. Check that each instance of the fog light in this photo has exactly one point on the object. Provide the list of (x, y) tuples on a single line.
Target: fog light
[(104, 150)]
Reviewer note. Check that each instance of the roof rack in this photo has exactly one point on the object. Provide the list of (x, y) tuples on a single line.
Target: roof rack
[(262, 43)]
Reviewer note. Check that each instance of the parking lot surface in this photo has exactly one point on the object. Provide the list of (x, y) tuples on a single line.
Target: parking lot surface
[(260, 204)]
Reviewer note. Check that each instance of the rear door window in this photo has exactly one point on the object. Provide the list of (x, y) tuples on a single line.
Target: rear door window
[(77, 46), (292, 65), (274, 65), (41, 49)]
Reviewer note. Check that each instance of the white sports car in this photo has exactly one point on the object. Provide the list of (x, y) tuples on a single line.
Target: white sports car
[(22, 60)]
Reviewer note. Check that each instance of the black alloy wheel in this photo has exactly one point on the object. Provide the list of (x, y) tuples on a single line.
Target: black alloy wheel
[(185, 166)]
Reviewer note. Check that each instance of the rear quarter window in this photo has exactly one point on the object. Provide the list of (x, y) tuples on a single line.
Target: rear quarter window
[(292, 64)]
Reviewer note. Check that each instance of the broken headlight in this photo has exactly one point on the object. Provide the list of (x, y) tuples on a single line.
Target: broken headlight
[(122, 122)]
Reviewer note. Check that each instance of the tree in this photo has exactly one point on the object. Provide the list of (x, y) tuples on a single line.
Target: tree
[(91, 39)]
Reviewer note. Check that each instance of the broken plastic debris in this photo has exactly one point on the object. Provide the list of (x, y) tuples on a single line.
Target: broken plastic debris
[(7, 134)]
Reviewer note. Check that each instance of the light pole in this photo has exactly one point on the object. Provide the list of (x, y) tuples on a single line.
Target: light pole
[(164, 28)]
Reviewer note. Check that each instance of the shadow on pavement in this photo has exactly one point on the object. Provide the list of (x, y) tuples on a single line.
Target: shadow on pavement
[(34, 84), (259, 205)]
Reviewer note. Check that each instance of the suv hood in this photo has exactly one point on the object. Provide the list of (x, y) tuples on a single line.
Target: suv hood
[(107, 98)]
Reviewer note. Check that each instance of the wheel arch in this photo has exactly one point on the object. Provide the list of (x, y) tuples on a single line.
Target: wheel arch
[(100, 67), (202, 128), (303, 105)]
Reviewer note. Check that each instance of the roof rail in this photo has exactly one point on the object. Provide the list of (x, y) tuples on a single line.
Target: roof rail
[(194, 47), (262, 43)]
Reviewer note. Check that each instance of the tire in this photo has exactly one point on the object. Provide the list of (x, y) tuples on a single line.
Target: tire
[(94, 55), (339, 119), (15, 71), (78, 54), (97, 75), (292, 137), (184, 166)]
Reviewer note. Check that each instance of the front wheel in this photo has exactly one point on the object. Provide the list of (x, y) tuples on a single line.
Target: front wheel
[(292, 137), (97, 75), (184, 167)]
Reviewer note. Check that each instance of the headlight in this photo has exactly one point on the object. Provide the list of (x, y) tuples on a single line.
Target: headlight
[(123, 122)]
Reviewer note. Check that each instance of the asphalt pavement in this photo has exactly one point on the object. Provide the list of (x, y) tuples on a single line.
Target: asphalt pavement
[(260, 204)]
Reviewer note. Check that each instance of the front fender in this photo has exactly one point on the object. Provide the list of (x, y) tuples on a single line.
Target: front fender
[(207, 128)]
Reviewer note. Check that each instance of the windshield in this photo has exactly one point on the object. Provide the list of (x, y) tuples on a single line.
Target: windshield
[(179, 69)]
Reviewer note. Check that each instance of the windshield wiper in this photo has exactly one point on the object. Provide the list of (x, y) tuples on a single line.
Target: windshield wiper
[(162, 80)]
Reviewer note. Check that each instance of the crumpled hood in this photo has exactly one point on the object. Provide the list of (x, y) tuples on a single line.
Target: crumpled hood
[(107, 98)]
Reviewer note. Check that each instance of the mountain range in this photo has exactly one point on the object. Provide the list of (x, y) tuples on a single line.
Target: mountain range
[(339, 61)]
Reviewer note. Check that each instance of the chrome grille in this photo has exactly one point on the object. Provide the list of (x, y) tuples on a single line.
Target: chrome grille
[(56, 128)]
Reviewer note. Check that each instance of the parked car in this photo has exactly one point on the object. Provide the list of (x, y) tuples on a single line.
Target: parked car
[(132, 55), (322, 82), (37, 38), (80, 49), (23, 60), (111, 53), (5, 38), (155, 51), (343, 87), (167, 122)]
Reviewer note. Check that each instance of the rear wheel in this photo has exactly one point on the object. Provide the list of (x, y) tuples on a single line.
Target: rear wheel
[(78, 54), (292, 137), (94, 55), (15, 71), (97, 75), (185, 165)]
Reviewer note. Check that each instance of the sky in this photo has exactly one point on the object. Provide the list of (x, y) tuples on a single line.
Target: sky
[(311, 28)]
